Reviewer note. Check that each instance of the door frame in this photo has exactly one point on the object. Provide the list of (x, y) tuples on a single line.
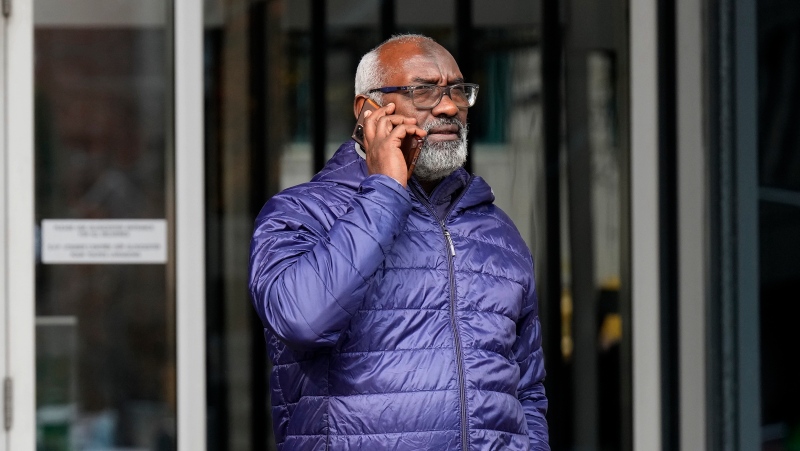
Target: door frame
[(17, 225), (190, 255), (18, 233)]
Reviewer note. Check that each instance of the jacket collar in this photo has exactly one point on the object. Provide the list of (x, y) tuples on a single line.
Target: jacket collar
[(346, 167)]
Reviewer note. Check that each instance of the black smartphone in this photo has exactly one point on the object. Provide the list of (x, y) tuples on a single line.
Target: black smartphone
[(411, 144)]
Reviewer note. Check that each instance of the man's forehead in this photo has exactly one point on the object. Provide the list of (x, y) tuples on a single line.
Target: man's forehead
[(410, 62)]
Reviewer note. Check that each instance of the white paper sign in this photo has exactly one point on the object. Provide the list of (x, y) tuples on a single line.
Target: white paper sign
[(104, 241)]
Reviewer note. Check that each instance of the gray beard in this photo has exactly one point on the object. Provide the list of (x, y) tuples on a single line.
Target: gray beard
[(438, 160)]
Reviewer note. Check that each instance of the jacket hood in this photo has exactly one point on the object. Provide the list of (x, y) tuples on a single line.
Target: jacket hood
[(346, 167)]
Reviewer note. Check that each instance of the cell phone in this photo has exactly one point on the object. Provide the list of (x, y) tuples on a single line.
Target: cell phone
[(411, 145)]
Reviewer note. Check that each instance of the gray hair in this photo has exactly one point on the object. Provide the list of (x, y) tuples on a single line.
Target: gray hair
[(370, 74)]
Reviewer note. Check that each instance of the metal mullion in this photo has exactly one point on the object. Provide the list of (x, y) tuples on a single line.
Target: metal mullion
[(190, 225), (644, 226)]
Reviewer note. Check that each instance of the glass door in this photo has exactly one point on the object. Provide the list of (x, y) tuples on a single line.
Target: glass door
[(105, 297), (104, 278)]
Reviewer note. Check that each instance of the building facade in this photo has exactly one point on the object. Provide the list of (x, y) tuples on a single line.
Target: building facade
[(647, 150)]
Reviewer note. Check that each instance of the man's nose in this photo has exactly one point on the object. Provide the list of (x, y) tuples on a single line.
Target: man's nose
[(445, 107)]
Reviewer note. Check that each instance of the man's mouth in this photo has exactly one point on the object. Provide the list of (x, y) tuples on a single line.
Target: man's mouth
[(447, 132)]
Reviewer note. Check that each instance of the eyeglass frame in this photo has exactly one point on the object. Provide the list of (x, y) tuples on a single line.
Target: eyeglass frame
[(445, 90)]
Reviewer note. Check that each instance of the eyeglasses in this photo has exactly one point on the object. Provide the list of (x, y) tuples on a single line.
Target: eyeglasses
[(426, 97)]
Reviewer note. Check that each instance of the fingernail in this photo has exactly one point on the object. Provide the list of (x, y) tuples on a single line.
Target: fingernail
[(367, 113)]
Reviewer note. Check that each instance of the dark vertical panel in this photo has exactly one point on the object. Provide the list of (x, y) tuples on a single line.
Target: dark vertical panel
[(464, 53), (582, 250), (747, 215), (258, 175), (388, 19), (582, 35), (733, 378), (668, 218), (216, 387), (318, 82), (621, 24), (557, 385)]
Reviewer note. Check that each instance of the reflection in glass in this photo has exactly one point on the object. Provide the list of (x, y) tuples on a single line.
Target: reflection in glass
[(105, 333), (779, 221)]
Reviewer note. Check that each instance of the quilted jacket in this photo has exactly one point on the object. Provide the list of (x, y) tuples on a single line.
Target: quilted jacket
[(395, 320)]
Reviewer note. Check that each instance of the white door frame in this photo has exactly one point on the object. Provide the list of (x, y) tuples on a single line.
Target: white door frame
[(18, 214), (190, 225), (17, 248)]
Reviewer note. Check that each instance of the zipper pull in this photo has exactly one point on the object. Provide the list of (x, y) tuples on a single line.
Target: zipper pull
[(450, 242)]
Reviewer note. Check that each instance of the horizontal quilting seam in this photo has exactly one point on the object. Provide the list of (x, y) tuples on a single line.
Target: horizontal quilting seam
[(442, 310), (414, 268), (498, 430), (495, 217), (472, 238), (316, 196), (492, 391), (294, 362), (439, 431), (486, 311), (405, 309), (336, 301), (382, 207), (432, 231), (333, 246), (366, 232), (357, 395), (531, 355), (482, 273), (384, 351), (506, 358)]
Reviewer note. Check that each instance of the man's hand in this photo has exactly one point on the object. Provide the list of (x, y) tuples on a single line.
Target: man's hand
[(384, 133)]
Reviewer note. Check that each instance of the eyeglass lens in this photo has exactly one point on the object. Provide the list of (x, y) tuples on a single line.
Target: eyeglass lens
[(429, 96)]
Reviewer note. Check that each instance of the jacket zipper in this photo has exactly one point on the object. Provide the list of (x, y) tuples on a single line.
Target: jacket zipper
[(451, 253)]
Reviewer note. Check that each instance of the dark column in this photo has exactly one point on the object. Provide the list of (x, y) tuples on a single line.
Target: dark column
[(259, 175), (464, 52), (668, 219), (318, 82), (557, 383), (388, 19)]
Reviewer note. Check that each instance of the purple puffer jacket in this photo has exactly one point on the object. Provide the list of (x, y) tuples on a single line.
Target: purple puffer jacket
[(397, 321)]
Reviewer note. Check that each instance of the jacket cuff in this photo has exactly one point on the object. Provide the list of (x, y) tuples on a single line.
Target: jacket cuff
[(379, 179)]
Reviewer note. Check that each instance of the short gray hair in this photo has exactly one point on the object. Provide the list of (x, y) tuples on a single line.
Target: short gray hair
[(370, 74)]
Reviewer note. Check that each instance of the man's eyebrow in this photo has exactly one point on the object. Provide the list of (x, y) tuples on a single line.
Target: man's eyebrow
[(424, 81), (431, 81)]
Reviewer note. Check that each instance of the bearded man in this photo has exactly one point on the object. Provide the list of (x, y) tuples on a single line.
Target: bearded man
[(400, 313)]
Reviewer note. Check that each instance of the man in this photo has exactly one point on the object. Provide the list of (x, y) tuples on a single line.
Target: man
[(400, 314)]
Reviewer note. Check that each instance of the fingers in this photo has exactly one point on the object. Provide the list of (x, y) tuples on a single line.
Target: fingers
[(384, 134), (382, 122)]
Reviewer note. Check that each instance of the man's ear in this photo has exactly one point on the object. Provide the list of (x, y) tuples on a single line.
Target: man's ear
[(358, 103)]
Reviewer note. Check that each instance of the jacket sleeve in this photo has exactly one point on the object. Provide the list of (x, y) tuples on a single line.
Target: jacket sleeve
[(530, 358), (307, 277)]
